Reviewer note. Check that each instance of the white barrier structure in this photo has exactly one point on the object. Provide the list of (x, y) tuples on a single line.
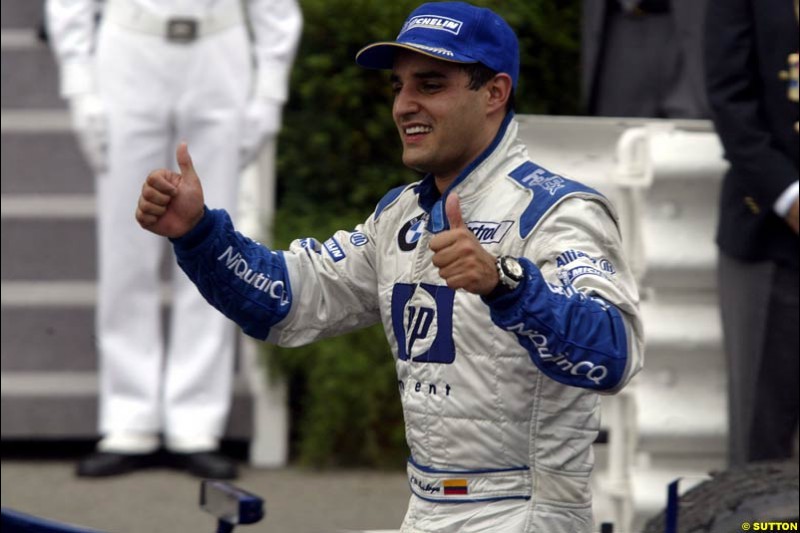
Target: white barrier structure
[(664, 177), (269, 443)]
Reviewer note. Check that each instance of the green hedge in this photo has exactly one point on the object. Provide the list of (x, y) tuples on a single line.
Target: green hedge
[(338, 154)]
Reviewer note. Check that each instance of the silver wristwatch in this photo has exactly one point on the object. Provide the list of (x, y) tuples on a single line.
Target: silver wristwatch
[(510, 271)]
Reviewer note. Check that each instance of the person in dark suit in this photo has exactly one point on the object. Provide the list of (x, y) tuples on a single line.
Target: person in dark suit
[(642, 58), (747, 44)]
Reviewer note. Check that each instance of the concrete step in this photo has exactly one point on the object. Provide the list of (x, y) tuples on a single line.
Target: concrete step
[(29, 75), (52, 338), (48, 250), (50, 325), (42, 162), (48, 206), (51, 294), (52, 249), (63, 405)]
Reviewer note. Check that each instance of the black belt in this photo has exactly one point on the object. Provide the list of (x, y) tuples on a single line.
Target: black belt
[(643, 7)]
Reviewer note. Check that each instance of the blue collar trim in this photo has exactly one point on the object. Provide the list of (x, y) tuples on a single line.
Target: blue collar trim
[(433, 203)]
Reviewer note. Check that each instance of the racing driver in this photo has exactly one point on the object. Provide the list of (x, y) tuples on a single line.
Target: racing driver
[(501, 286)]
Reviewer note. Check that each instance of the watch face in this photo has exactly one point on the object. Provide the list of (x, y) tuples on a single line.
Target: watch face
[(513, 268)]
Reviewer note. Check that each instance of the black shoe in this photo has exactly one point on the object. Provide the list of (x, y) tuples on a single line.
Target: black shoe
[(102, 464), (206, 465)]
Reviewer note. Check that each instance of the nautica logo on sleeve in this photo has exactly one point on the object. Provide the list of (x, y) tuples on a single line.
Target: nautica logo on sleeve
[(593, 371), (432, 23), (238, 265)]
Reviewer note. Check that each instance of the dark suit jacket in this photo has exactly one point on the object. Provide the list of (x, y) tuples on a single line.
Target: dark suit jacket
[(687, 15), (747, 42)]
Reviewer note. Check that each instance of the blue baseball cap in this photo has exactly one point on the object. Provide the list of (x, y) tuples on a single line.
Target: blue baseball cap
[(451, 31)]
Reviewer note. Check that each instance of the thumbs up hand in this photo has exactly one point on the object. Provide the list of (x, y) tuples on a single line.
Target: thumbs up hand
[(463, 263), (171, 204)]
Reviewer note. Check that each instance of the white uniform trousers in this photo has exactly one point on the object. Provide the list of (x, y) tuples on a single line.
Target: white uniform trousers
[(160, 93)]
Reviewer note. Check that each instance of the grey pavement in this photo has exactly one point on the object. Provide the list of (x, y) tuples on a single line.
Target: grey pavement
[(154, 501)]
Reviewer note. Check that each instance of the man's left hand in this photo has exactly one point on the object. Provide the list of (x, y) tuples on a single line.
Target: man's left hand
[(793, 217), (463, 263), (262, 120)]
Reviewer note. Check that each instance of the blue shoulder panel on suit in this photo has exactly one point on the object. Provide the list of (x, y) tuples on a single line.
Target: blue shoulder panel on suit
[(388, 198), (548, 189)]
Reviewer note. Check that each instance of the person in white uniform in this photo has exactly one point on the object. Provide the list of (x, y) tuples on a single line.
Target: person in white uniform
[(140, 78)]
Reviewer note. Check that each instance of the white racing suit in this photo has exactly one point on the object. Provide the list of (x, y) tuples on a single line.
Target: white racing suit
[(500, 397)]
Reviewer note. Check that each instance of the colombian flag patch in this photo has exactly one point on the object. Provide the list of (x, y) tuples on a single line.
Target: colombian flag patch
[(455, 486)]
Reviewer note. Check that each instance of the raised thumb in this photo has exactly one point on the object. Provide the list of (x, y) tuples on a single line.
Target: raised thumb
[(185, 161), (453, 209)]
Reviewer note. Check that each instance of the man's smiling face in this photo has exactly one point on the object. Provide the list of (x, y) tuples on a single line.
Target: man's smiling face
[(442, 123)]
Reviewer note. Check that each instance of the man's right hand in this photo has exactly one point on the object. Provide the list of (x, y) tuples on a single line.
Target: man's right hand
[(171, 204), (90, 122)]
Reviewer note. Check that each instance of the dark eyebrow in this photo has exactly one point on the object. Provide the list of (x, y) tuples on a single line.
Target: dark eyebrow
[(430, 74), (426, 75)]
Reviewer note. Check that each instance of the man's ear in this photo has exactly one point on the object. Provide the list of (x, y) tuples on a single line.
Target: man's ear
[(499, 91)]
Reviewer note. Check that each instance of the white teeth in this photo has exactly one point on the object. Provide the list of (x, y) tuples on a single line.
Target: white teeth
[(417, 129)]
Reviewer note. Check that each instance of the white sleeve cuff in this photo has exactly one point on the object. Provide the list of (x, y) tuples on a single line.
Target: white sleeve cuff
[(77, 77), (787, 199), (272, 82)]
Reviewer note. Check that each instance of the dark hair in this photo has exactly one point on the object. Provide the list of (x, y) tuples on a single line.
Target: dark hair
[(479, 75)]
